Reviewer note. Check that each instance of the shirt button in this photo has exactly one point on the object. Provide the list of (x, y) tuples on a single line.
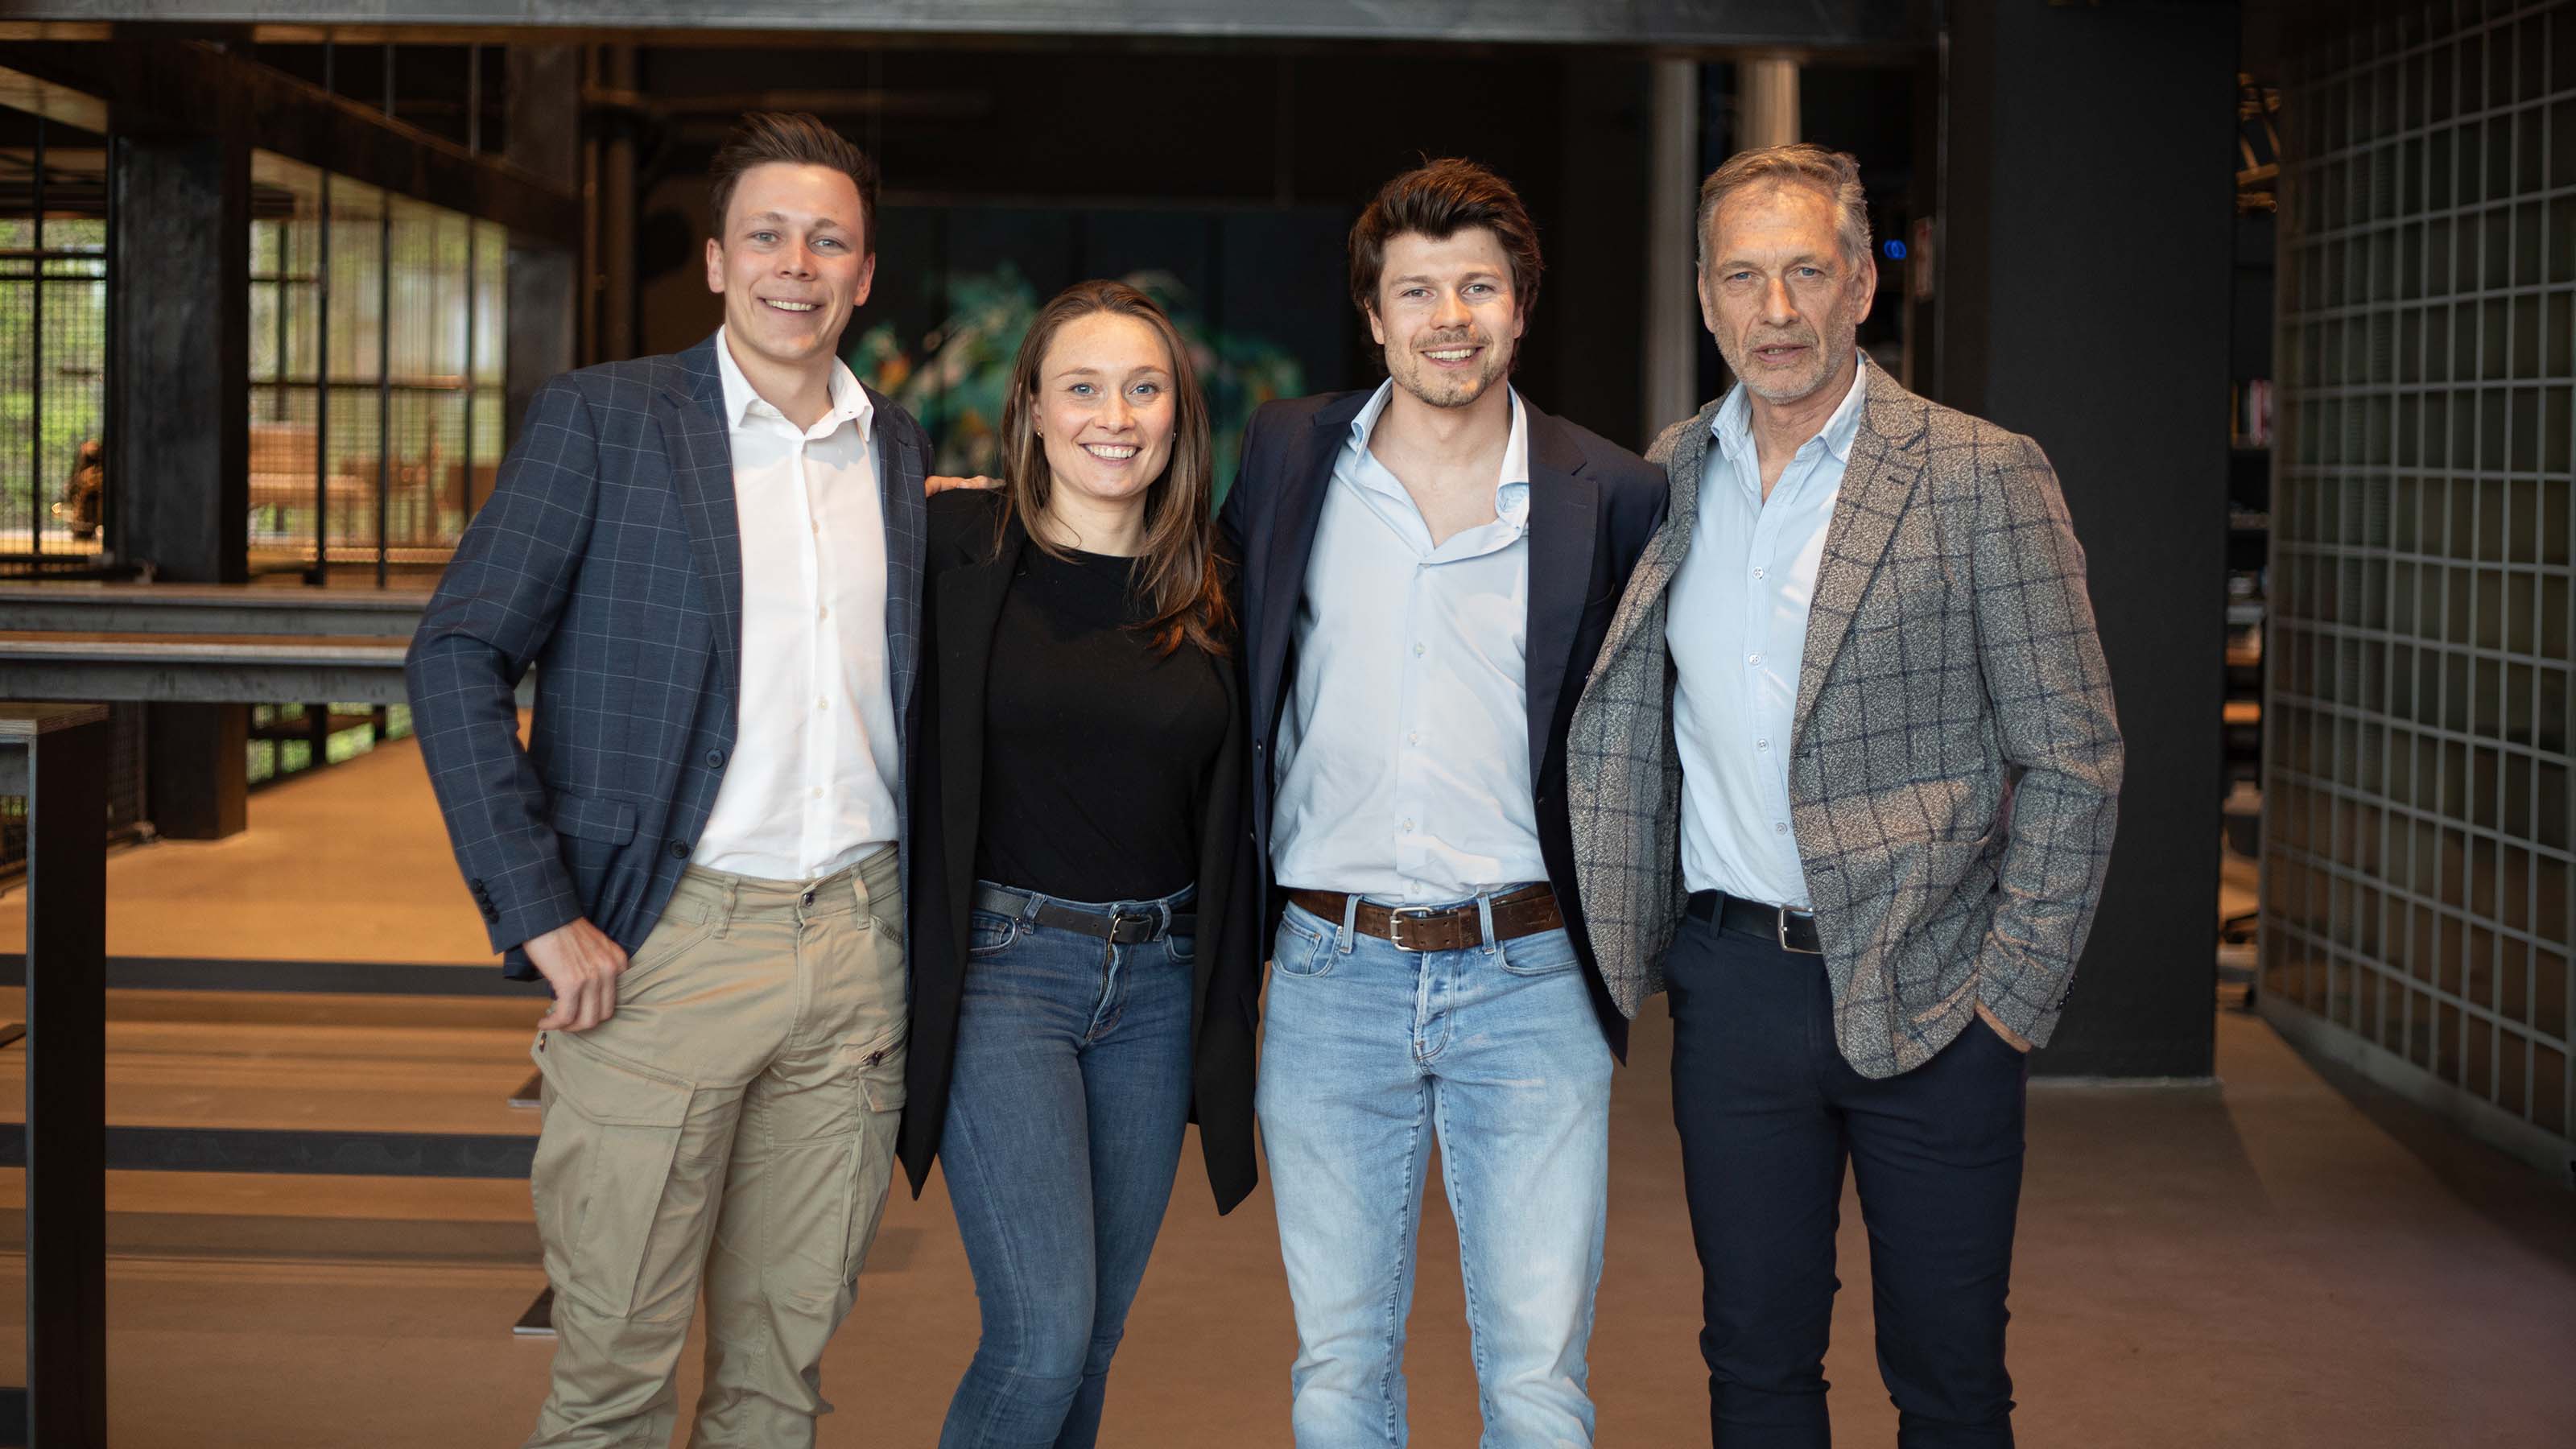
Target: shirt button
[(1417, 651), (1759, 573), (1754, 659), (1408, 827), (1413, 737), (823, 613), (818, 792), (1761, 744), (1779, 827), (825, 704)]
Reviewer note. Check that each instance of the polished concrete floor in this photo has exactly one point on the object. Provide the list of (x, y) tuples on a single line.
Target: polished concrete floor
[(2279, 1260)]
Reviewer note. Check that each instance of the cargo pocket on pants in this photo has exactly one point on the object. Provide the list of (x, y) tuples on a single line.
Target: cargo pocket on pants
[(604, 1161), (877, 1068)]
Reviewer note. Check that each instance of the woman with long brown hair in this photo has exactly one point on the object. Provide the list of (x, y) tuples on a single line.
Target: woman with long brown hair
[(1084, 962)]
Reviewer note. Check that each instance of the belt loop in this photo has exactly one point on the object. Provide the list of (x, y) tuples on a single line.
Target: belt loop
[(727, 898), (1350, 924), (1029, 903), (1485, 922)]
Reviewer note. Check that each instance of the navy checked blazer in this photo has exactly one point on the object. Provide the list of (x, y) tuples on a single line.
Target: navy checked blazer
[(608, 558)]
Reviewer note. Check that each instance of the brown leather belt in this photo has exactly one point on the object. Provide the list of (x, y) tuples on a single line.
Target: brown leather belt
[(1524, 912)]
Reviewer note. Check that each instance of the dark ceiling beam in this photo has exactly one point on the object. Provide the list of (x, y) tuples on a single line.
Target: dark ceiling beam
[(186, 85), (1801, 24)]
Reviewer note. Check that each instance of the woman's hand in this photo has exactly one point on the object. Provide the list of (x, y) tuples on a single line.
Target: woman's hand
[(941, 483)]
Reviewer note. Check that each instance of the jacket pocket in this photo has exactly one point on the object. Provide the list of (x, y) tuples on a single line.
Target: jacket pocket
[(592, 817)]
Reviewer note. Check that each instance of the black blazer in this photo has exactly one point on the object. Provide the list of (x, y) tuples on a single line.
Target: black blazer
[(962, 602), (1593, 505)]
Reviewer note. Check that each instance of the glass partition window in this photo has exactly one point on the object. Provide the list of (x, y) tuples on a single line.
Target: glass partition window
[(377, 331)]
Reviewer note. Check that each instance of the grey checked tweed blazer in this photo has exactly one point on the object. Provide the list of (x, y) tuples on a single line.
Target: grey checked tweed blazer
[(609, 558), (1955, 773)]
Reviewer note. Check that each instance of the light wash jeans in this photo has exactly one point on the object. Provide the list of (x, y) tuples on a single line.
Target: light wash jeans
[(1368, 1052)]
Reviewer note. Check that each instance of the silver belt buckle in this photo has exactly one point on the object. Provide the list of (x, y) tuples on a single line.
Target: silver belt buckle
[(1397, 916), (1783, 928)]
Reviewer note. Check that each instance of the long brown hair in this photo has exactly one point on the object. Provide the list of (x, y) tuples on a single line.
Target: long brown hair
[(1176, 573)]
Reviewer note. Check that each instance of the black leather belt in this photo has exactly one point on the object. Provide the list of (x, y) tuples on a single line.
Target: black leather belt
[(1118, 927), (1794, 929)]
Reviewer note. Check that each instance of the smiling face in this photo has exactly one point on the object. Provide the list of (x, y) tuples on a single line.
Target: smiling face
[(1105, 407), (1779, 294), (792, 265), (1446, 315)]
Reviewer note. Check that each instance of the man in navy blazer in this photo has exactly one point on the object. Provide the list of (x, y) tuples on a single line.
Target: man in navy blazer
[(713, 562), (1429, 570)]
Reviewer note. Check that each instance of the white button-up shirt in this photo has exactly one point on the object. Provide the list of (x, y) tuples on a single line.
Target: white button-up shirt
[(1403, 767), (811, 785), (1737, 627)]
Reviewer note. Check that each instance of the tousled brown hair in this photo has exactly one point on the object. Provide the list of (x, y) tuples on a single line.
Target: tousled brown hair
[(796, 139), (1439, 199), (1177, 572)]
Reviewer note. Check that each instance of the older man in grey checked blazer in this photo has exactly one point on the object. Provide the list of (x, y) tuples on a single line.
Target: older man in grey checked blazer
[(1844, 780), (713, 561)]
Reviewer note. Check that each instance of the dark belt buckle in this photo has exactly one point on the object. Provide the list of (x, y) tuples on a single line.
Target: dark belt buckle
[(1396, 919), (1132, 928), (1809, 917)]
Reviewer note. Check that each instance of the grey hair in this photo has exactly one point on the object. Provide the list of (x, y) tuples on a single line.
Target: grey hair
[(1835, 173)]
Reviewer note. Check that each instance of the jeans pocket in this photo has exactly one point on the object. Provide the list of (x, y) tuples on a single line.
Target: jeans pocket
[(988, 933), (1543, 954), (604, 1163), (1301, 949)]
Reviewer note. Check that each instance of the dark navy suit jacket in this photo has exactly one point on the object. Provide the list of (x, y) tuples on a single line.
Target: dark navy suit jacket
[(1593, 505), (609, 558)]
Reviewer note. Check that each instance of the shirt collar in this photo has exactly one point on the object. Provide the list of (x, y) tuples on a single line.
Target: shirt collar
[(1511, 486), (850, 402), (1733, 425)]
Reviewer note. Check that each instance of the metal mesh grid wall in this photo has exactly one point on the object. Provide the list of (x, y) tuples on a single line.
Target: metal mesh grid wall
[(2417, 814), (53, 345)]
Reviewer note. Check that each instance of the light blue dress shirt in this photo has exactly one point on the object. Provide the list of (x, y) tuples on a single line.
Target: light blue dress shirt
[(1403, 766), (1737, 628)]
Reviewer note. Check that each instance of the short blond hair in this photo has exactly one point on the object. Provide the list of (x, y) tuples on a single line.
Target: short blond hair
[(1835, 173)]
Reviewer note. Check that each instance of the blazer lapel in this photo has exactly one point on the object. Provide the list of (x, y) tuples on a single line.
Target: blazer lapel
[(701, 448), (1564, 519), (1878, 483), (1299, 511), (900, 469), (970, 607), (1664, 552)]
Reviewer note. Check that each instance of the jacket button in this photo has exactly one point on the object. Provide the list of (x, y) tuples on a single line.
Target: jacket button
[(715, 759), (679, 850)]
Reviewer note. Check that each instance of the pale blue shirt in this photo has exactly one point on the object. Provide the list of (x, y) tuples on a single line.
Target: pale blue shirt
[(1737, 627), (1403, 766)]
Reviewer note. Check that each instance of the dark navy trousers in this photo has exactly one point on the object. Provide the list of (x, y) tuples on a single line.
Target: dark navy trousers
[(1769, 1112)]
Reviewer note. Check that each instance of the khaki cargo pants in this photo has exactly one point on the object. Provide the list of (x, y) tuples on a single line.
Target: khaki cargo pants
[(743, 1097)]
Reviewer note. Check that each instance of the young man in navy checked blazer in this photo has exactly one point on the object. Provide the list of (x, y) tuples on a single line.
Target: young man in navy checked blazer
[(713, 560), (1849, 750)]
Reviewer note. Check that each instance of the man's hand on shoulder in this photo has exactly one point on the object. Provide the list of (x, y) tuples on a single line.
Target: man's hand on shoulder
[(582, 965), (938, 483)]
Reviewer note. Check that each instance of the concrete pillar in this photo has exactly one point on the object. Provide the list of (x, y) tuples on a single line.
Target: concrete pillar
[(179, 450), (543, 138), (2090, 310), (1767, 96), (1671, 324)]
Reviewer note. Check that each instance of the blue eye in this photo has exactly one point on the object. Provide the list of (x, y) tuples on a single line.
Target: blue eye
[(1148, 389), (1081, 389)]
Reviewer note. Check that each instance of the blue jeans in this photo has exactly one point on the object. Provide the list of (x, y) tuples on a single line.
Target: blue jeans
[(1065, 1115), (1496, 1050)]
